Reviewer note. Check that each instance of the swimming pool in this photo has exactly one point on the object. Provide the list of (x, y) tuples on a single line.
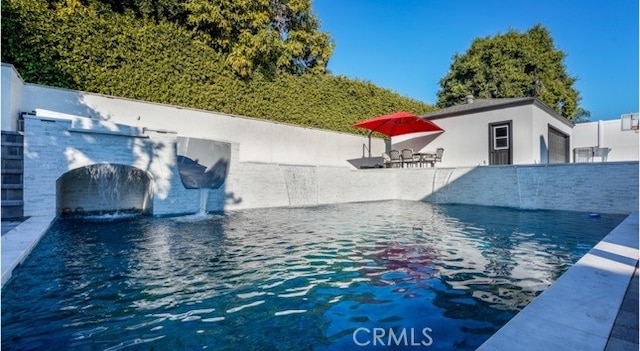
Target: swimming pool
[(381, 275)]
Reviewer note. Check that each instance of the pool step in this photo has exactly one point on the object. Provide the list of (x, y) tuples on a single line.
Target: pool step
[(12, 156)]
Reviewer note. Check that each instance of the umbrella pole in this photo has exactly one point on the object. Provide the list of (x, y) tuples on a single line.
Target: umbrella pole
[(370, 143)]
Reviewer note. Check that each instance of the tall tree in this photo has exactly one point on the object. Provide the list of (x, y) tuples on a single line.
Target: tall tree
[(266, 35), (157, 10), (513, 65)]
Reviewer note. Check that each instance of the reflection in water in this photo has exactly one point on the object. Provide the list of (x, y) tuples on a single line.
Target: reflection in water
[(402, 262), (289, 278)]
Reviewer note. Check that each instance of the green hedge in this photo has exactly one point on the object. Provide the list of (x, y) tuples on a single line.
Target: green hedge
[(93, 49)]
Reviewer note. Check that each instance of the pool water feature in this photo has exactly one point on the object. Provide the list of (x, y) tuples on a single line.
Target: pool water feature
[(100, 189), (436, 277)]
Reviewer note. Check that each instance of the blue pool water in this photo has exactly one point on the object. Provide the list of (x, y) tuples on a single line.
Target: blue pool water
[(384, 275)]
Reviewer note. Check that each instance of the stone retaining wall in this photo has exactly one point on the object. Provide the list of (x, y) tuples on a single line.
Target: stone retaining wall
[(53, 148)]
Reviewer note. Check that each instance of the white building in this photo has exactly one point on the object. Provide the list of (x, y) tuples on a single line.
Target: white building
[(518, 131), (612, 140)]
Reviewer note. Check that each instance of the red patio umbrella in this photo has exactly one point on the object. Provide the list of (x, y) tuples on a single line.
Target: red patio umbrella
[(398, 123)]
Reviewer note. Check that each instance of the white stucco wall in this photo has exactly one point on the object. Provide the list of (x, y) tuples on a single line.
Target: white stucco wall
[(608, 134), (540, 122), (258, 140), (12, 86), (466, 137), (465, 141)]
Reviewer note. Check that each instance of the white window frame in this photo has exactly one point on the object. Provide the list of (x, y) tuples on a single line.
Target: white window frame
[(496, 137)]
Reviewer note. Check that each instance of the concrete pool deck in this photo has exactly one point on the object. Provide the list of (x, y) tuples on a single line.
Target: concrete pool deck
[(624, 335), (593, 306), (18, 242)]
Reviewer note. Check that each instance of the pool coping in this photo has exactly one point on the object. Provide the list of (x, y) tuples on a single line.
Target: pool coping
[(578, 311), (19, 241)]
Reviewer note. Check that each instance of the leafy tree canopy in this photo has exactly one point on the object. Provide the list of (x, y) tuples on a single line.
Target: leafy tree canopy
[(91, 47), (513, 65), (254, 35), (263, 34)]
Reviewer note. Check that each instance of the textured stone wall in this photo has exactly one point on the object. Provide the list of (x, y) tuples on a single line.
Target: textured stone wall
[(53, 148), (610, 187), (594, 187)]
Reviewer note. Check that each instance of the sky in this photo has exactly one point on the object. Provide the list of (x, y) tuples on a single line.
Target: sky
[(407, 46)]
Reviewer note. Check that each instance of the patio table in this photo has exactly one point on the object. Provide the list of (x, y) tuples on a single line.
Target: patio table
[(424, 157)]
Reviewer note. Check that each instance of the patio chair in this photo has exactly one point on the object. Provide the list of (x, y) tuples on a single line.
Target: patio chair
[(433, 158), (386, 159), (394, 156), (407, 157), (439, 153)]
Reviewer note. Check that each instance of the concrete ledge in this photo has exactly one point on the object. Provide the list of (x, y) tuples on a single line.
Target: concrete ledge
[(18, 243), (135, 134), (578, 311)]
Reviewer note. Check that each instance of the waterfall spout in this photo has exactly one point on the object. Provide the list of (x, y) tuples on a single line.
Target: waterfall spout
[(104, 189), (204, 197)]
